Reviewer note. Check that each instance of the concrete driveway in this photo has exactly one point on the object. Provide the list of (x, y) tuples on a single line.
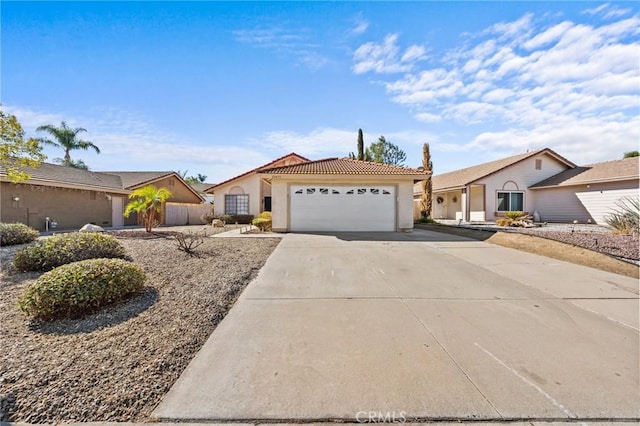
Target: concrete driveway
[(421, 326)]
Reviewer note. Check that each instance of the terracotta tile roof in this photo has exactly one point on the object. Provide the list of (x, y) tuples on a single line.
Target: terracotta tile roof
[(607, 171), (343, 166), (291, 154), (462, 177), (132, 179), (54, 173)]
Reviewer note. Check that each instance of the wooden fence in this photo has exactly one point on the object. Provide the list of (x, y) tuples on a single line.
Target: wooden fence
[(186, 214)]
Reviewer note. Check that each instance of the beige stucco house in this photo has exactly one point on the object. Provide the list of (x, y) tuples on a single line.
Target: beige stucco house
[(335, 194), (484, 192), (74, 197), (248, 193), (540, 181)]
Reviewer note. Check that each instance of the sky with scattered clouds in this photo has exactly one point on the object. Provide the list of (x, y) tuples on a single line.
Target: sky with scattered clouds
[(218, 88)]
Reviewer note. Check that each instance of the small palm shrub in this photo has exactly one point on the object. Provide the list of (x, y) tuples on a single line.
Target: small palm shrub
[(80, 288), (625, 219), (263, 221), (16, 233), (47, 253), (514, 219)]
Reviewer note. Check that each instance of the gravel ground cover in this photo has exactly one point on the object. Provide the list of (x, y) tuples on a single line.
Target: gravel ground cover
[(592, 237), (117, 364), (621, 246)]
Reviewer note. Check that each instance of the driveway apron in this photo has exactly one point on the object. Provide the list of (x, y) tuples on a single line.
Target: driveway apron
[(420, 326)]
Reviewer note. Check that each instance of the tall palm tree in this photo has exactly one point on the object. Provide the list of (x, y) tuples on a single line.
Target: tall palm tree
[(66, 138), (147, 200)]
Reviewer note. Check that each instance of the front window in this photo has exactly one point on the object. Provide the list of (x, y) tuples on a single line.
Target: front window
[(510, 201), (236, 204)]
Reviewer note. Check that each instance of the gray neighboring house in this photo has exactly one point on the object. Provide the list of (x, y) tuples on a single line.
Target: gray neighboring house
[(538, 181), (587, 193)]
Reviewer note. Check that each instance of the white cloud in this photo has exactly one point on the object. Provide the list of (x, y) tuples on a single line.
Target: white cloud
[(427, 117), (530, 83), (386, 57), (295, 44), (324, 141), (607, 11), (549, 36), (360, 25), (129, 142)]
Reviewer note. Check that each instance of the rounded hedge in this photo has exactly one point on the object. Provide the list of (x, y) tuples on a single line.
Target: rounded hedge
[(80, 288), (16, 233), (47, 253)]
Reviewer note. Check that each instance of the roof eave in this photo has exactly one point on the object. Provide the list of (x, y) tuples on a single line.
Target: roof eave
[(70, 185), (587, 182)]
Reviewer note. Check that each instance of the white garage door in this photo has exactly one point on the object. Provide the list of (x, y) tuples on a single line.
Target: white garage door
[(342, 208)]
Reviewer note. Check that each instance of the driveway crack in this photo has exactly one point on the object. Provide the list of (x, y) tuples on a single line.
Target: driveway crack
[(444, 349)]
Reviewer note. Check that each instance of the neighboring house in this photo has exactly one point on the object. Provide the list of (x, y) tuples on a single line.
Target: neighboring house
[(326, 195), (248, 193), (484, 192), (540, 181), (200, 188), (176, 209), (587, 193), (74, 197), (341, 194)]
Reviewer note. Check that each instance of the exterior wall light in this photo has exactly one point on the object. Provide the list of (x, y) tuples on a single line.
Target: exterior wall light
[(15, 198)]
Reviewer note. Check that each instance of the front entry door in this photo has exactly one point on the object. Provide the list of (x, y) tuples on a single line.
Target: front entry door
[(267, 204)]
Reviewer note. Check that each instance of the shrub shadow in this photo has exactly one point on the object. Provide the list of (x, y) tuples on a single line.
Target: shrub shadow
[(108, 317)]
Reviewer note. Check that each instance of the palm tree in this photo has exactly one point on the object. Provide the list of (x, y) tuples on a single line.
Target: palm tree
[(66, 138), (147, 200)]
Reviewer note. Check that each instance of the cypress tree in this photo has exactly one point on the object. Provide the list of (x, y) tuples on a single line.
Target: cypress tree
[(360, 145)]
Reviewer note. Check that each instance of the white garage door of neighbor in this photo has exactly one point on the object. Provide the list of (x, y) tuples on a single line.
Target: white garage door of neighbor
[(342, 208)]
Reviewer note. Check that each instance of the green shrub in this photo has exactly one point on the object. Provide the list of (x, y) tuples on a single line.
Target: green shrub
[(207, 218), (426, 219), (80, 288), (229, 219), (47, 253), (515, 219), (16, 233), (626, 218), (263, 221)]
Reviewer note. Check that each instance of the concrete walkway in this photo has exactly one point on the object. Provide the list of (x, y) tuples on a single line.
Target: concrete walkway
[(425, 325)]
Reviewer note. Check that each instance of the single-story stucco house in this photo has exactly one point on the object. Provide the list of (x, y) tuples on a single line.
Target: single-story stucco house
[(248, 193), (334, 194), (587, 193), (539, 181), (74, 197)]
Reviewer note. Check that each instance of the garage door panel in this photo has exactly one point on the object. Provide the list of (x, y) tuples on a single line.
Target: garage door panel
[(342, 208)]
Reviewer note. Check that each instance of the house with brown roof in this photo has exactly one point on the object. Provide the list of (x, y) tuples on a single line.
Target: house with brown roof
[(342, 194), (539, 181), (334, 194), (73, 197), (484, 192), (248, 193), (587, 193)]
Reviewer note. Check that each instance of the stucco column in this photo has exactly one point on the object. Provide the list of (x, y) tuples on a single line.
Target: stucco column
[(466, 203)]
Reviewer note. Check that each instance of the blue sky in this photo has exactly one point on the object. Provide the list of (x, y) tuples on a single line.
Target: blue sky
[(217, 88)]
